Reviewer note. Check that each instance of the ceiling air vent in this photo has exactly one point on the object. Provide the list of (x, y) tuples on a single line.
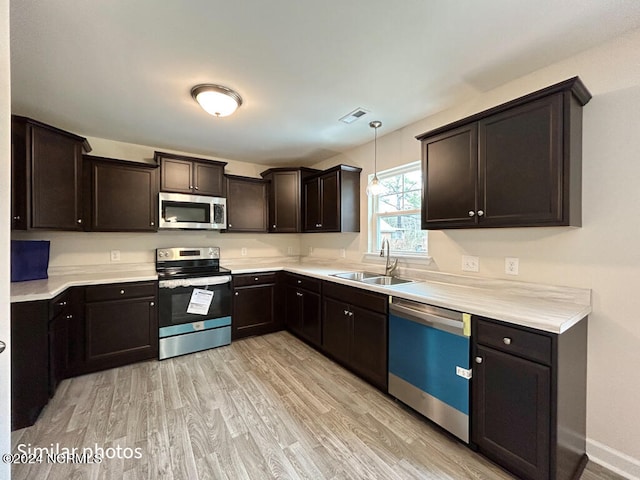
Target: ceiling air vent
[(355, 115)]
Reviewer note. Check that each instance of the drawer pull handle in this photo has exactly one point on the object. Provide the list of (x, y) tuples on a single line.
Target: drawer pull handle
[(62, 304), (299, 282), (69, 317), (506, 341), (152, 304), (299, 294), (351, 314), (346, 312), (256, 279), (121, 292), (478, 359), (237, 294)]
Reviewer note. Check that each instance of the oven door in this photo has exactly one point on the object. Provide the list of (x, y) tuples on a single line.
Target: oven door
[(189, 300)]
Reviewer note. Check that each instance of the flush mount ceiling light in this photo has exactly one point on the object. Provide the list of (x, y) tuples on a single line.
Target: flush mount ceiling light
[(216, 100), (374, 188)]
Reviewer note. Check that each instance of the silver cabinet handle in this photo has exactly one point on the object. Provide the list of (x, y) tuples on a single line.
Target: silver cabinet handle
[(471, 213), (62, 304), (17, 217), (299, 282), (197, 188), (346, 312), (152, 304), (351, 314), (121, 292), (236, 294), (274, 226), (153, 223), (79, 220), (230, 225), (2, 346), (256, 279), (478, 359), (191, 187), (299, 294), (69, 317), (506, 341), (480, 213)]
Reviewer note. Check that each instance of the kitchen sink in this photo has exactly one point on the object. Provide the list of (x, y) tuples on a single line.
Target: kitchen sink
[(358, 276), (385, 280), (372, 278)]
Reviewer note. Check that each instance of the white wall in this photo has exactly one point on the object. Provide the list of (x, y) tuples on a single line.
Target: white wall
[(603, 255), (5, 202)]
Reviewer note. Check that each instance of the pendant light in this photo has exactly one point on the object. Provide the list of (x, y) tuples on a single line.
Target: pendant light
[(374, 188), (216, 100)]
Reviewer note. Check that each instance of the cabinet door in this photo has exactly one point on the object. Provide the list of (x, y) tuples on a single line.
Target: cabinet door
[(449, 169), (208, 179), (29, 362), (18, 178), (336, 329), (369, 346), (123, 197), (511, 412), (330, 202), (253, 310), (312, 205), (176, 175), (58, 350), (311, 316), (284, 202), (293, 316), (119, 332), (56, 176), (246, 205), (520, 159)]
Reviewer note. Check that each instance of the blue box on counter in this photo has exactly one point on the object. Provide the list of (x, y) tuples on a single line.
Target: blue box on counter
[(29, 260)]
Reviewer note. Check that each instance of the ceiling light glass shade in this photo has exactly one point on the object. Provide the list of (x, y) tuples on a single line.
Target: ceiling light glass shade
[(374, 188), (216, 100)]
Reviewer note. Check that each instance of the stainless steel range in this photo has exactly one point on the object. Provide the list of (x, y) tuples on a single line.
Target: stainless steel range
[(194, 300)]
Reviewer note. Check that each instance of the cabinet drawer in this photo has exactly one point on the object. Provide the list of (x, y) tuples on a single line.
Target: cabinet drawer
[(60, 304), (120, 290), (357, 296), (254, 279), (534, 346), (308, 283)]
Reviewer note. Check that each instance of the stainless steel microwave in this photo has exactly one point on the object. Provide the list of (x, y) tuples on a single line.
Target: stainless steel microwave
[(192, 212)]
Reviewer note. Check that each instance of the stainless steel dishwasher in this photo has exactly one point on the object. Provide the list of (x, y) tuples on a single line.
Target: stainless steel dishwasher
[(429, 370)]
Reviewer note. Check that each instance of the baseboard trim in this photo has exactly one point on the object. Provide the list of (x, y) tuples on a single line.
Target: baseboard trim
[(614, 460)]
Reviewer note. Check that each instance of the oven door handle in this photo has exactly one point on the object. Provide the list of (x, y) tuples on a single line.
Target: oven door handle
[(195, 282)]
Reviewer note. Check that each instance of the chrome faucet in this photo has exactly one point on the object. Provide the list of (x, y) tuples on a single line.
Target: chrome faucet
[(390, 266)]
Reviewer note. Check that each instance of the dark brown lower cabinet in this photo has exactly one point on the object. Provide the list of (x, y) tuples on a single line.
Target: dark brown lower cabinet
[(254, 305), (121, 324), (302, 307), (355, 331), (529, 399), (29, 362)]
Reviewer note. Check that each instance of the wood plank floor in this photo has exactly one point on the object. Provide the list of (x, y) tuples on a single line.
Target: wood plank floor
[(263, 407)]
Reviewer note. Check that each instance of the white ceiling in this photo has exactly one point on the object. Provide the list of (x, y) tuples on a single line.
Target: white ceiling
[(123, 69)]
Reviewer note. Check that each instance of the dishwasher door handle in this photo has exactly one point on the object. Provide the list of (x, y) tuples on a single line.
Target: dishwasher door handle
[(441, 323)]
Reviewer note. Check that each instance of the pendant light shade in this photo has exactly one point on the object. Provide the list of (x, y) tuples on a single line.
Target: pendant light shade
[(216, 100), (375, 188)]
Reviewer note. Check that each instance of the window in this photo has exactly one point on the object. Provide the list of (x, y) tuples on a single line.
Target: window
[(396, 211)]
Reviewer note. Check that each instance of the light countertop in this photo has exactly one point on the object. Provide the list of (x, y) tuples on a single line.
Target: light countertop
[(548, 308)]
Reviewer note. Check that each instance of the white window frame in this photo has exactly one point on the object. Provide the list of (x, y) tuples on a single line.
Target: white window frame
[(374, 249)]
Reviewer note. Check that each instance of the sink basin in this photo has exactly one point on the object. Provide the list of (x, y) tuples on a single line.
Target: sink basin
[(384, 280), (372, 278), (359, 276)]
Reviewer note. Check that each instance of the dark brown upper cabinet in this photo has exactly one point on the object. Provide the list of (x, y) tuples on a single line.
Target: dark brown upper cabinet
[(182, 174), (247, 204), (332, 200), (121, 196), (46, 165), (285, 198), (515, 165)]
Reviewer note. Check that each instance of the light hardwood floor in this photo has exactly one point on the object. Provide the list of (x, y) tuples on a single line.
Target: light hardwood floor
[(263, 407)]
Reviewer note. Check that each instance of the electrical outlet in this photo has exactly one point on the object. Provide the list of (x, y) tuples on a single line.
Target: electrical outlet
[(343, 253), (470, 263), (310, 250), (243, 252), (115, 255), (511, 265)]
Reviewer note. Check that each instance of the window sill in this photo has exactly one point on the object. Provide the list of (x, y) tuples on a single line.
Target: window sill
[(406, 259)]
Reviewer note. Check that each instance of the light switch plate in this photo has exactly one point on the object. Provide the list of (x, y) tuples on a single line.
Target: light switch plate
[(243, 252), (115, 255), (470, 263)]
